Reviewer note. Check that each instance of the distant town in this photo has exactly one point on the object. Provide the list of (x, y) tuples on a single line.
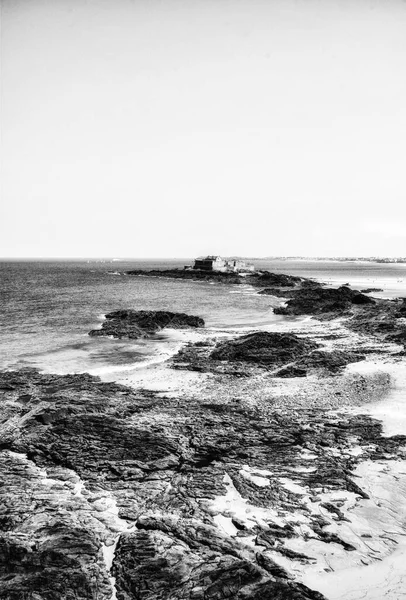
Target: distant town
[(375, 259), (236, 263)]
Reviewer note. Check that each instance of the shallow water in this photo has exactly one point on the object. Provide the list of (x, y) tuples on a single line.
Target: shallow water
[(48, 307)]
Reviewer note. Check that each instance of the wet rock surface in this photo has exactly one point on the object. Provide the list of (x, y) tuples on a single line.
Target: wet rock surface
[(143, 323), (203, 499)]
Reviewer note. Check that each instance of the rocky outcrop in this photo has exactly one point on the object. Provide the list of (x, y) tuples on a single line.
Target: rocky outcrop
[(256, 278), (83, 461), (264, 348), (327, 361), (191, 274), (152, 565), (267, 279), (244, 355), (320, 300), (143, 323), (381, 318)]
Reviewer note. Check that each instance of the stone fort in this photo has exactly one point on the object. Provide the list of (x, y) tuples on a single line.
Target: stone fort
[(217, 263)]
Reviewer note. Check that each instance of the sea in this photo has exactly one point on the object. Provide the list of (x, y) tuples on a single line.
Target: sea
[(48, 307)]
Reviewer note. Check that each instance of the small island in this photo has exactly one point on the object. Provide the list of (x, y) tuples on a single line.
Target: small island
[(223, 270)]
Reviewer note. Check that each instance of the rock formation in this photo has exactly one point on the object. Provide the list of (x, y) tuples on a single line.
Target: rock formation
[(87, 466), (256, 278), (318, 300), (287, 354), (143, 323), (217, 276)]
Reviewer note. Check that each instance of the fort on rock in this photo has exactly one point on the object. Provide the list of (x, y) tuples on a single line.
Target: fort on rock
[(216, 263)]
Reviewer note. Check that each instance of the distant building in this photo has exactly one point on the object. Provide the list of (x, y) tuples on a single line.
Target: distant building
[(216, 263)]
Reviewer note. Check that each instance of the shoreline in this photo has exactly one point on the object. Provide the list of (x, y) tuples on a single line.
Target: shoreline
[(281, 506), (347, 580)]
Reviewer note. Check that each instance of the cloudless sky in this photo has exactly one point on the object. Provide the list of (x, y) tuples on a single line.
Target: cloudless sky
[(144, 128)]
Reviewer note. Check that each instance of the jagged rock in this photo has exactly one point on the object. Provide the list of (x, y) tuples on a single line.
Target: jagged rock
[(384, 319), (151, 564), (280, 590), (217, 276), (257, 278), (161, 463), (277, 280), (319, 300), (361, 299), (244, 355), (241, 356), (267, 348), (332, 361), (143, 323), (291, 371), (46, 549)]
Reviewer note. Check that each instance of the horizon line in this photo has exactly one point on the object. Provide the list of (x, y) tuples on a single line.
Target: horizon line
[(127, 258)]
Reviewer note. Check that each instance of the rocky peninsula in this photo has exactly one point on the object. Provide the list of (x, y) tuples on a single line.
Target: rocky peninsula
[(256, 278), (237, 488)]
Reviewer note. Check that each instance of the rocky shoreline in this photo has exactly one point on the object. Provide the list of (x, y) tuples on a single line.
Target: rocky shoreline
[(256, 278), (235, 488)]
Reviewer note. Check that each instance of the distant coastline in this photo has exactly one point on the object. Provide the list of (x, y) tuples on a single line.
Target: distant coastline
[(367, 259)]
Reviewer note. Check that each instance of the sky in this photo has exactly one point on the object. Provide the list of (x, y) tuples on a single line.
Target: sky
[(175, 128)]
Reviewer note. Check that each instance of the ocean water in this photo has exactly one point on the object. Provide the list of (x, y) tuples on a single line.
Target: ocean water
[(48, 308)]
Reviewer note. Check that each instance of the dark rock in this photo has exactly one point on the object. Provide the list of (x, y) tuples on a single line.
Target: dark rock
[(291, 371), (382, 320), (217, 276), (277, 292), (257, 278), (277, 280), (361, 299), (402, 308), (243, 356), (281, 590), (319, 300), (265, 348), (159, 461), (271, 566), (332, 361), (143, 323)]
